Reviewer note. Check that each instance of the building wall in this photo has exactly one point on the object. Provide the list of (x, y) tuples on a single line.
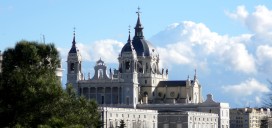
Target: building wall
[(187, 119), (248, 117), (133, 118)]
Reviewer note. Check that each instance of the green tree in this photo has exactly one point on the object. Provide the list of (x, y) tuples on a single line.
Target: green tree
[(28, 83), (31, 94), (264, 123), (72, 110), (122, 124)]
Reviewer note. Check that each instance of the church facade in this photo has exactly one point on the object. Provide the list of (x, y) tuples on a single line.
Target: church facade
[(139, 82), (139, 79)]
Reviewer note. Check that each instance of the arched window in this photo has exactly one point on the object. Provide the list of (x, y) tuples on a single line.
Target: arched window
[(100, 74), (80, 67), (127, 65), (146, 67), (145, 94), (72, 66)]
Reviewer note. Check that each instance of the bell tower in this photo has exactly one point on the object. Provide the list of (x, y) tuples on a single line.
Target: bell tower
[(74, 65), (128, 73), (196, 90)]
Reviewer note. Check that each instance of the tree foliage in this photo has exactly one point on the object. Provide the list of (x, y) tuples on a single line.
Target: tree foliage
[(71, 110), (31, 94), (122, 124)]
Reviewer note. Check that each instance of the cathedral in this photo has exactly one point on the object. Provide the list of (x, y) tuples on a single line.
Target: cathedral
[(140, 84), (138, 80)]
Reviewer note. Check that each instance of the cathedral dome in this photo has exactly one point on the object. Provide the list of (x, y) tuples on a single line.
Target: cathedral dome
[(141, 46)]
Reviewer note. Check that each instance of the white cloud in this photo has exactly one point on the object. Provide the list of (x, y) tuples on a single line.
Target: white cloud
[(175, 53), (237, 55), (193, 44), (107, 49), (264, 58), (258, 22), (84, 50), (63, 52), (247, 92), (246, 88), (258, 99), (240, 14), (264, 53)]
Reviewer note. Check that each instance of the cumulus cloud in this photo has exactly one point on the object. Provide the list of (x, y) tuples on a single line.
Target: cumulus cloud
[(175, 53), (248, 55), (264, 58), (258, 99), (258, 22), (238, 57), (240, 14), (246, 88), (192, 43), (84, 50), (63, 52), (108, 50), (246, 91)]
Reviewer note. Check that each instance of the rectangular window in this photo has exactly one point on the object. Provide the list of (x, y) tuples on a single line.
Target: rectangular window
[(127, 100), (102, 98)]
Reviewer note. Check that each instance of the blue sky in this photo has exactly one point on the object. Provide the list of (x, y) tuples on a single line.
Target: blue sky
[(229, 43)]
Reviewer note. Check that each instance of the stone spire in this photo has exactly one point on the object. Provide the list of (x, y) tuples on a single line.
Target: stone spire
[(138, 28), (129, 40), (73, 49), (74, 38), (195, 76)]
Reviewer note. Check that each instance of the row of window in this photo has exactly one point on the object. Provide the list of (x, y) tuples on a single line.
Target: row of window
[(133, 124), (203, 119), (134, 116)]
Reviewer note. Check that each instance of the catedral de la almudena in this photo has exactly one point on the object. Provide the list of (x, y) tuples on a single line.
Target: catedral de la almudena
[(139, 91)]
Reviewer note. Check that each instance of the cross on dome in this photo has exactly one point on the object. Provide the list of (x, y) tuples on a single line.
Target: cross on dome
[(129, 29), (74, 31), (138, 12)]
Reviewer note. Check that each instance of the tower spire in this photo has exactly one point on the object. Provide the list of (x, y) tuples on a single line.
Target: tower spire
[(74, 38), (73, 49), (138, 28), (138, 13), (129, 33), (195, 77)]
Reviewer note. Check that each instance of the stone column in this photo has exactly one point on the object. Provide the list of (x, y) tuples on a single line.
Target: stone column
[(118, 88), (104, 95), (89, 93), (82, 93), (111, 95), (121, 95), (96, 93)]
